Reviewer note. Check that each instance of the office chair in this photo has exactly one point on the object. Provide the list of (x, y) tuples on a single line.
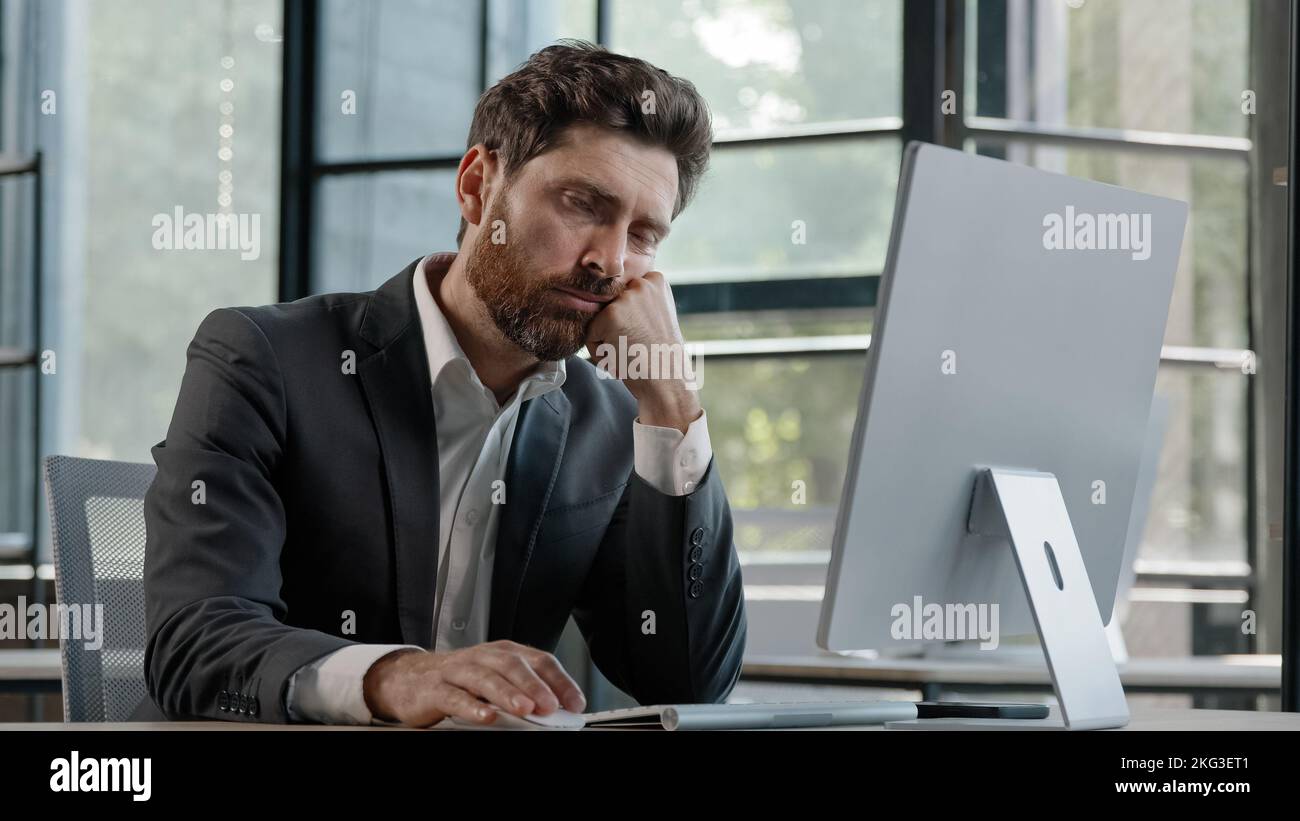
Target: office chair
[(97, 527)]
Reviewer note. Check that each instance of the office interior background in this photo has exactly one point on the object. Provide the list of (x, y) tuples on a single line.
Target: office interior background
[(339, 124)]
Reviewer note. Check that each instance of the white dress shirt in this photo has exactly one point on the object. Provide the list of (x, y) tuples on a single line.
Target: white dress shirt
[(474, 435)]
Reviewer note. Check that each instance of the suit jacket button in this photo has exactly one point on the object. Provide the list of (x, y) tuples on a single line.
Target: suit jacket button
[(697, 537), (697, 589), (697, 570), (697, 553), (252, 706), (223, 701), (243, 703)]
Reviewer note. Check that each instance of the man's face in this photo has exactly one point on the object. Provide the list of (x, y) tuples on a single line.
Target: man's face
[(576, 223)]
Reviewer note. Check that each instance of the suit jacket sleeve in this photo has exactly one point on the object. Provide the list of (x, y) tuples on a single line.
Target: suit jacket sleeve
[(217, 646), (655, 632)]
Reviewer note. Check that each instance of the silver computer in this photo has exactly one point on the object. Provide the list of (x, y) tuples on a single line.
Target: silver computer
[(1002, 419)]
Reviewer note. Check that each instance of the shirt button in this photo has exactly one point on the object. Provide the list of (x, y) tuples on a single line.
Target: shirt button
[(458, 624), (471, 517), (688, 487), (688, 458)]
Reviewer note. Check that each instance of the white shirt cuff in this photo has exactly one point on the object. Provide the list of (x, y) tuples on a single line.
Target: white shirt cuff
[(329, 690), (670, 461)]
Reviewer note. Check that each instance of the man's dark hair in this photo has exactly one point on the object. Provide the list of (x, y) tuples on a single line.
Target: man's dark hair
[(574, 81)]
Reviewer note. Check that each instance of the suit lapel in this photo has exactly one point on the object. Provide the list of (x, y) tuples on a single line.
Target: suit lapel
[(395, 381), (534, 464)]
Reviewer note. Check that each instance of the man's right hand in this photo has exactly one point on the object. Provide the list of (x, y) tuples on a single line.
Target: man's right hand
[(420, 688)]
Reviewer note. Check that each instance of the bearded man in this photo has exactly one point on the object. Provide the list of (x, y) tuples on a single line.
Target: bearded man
[(384, 507)]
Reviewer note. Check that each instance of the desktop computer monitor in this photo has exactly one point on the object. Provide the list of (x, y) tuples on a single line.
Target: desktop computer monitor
[(1002, 418)]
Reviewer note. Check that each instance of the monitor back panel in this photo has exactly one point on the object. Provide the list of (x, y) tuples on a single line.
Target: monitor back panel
[(998, 343)]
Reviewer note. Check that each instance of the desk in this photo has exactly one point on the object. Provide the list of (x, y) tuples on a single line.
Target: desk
[(1144, 718), (1240, 675), (39, 671)]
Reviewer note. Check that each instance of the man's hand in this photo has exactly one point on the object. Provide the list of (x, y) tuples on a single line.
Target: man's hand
[(645, 315), (420, 688)]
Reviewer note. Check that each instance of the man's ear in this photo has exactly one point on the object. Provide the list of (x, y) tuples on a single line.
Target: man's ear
[(474, 180)]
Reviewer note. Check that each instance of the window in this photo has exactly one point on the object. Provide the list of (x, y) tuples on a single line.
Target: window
[(145, 113), (806, 98), (19, 361), (1130, 94), (776, 263), (168, 111), (396, 84), (796, 142)]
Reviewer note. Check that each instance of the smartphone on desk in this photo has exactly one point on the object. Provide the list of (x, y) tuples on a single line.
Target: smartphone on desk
[(968, 709)]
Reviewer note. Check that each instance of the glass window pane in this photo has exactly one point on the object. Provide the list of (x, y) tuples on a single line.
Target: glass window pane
[(17, 201), (396, 79), (1209, 302), (1157, 629), (126, 300), (806, 209), (1177, 67), (774, 421), (18, 479), (517, 28), (1198, 508), (777, 420), (370, 226), (774, 63)]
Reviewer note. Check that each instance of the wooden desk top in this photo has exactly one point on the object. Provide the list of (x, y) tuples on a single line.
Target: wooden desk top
[(1246, 672), (1144, 718)]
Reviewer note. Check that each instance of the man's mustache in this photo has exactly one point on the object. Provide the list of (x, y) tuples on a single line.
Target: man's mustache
[(587, 282)]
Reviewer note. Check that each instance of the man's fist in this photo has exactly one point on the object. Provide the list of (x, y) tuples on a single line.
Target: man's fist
[(644, 316)]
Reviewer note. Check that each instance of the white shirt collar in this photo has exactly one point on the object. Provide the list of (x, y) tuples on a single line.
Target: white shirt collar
[(442, 347)]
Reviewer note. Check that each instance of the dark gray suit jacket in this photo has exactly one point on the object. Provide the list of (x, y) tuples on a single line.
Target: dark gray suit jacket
[(320, 495)]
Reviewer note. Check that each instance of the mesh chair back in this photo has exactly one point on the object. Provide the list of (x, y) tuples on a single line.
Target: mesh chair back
[(97, 528)]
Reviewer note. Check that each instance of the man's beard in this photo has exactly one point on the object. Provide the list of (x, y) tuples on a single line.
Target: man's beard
[(522, 303)]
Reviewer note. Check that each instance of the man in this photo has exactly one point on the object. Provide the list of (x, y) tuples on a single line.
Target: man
[(384, 507)]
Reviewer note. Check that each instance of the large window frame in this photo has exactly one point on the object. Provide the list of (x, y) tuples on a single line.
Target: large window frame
[(934, 34), (1200, 584)]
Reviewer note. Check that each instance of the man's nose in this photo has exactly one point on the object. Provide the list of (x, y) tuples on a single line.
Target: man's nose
[(604, 255)]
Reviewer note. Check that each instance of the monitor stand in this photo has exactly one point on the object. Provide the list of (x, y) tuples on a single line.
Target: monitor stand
[(1026, 509)]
